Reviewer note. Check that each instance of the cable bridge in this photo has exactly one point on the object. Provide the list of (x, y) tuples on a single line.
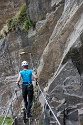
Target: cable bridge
[(22, 120)]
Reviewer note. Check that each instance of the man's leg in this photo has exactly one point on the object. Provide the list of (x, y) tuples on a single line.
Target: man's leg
[(30, 99), (24, 94)]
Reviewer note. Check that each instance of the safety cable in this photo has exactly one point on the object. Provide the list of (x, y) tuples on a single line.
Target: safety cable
[(9, 106), (44, 96), (31, 60), (49, 106), (15, 94), (56, 119), (8, 109)]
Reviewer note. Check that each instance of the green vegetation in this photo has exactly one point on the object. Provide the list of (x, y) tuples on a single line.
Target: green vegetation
[(20, 21), (27, 24), (7, 122)]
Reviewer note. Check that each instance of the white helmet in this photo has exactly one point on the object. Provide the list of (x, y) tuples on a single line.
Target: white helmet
[(24, 63)]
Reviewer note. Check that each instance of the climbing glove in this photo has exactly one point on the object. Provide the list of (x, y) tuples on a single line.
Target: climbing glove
[(18, 84)]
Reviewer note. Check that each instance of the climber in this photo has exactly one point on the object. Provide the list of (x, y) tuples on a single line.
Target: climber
[(27, 86)]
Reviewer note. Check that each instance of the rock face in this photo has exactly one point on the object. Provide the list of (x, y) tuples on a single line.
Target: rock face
[(55, 45), (37, 10), (9, 97), (13, 44), (65, 34), (8, 8), (65, 48)]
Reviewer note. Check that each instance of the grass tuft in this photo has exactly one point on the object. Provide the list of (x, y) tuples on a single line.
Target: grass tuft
[(7, 122)]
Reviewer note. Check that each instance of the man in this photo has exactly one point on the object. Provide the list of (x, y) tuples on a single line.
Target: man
[(27, 86)]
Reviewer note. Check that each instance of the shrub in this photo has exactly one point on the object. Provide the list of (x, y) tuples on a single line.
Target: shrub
[(22, 14), (7, 122), (27, 24), (20, 20)]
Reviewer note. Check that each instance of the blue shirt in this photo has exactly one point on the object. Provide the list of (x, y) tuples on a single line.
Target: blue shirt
[(26, 75)]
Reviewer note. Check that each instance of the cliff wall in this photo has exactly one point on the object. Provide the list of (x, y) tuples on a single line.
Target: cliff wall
[(8, 8), (55, 45)]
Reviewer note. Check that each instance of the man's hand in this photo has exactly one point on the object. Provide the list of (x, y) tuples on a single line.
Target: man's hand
[(36, 82), (18, 84)]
